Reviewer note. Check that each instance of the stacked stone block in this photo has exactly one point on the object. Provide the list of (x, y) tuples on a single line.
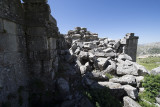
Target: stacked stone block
[(13, 58)]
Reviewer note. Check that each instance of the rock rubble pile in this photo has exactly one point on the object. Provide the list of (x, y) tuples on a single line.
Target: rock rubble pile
[(103, 62)]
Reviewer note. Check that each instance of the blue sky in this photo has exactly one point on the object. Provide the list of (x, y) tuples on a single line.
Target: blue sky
[(110, 18)]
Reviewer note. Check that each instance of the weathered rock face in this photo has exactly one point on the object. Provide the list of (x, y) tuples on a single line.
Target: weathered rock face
[(128, 102)]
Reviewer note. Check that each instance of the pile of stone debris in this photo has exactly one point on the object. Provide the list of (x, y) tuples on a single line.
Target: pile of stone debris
[(103, 62)]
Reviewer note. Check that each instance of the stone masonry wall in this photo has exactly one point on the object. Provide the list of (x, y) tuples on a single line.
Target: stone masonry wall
[(13, 60), (131, 45), (28, 38)]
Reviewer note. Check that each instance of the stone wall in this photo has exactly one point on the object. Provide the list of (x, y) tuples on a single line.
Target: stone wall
[(13, 59), (28, 38), (131, 45)]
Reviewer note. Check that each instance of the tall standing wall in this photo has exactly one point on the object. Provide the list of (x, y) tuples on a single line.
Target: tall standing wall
[(28, 38)]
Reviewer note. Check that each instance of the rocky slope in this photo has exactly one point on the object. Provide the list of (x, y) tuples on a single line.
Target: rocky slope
[(146, 49)]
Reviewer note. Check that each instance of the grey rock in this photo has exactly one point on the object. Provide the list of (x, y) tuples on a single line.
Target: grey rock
[(111, 68), (128, 102), (77, 51), (63, 86), (76, 36), (155, 71), (158, 100), (97, 76), (126, 79), (116, 45), (116, 89), (105, 55), (139, 80), (83, 55), (102, 63), (83, 69), (126, 68), (124, 57), (123, 41), (131, 91), (141, 90), (142, 71), (108, 50), (111, 85), (106, 41)]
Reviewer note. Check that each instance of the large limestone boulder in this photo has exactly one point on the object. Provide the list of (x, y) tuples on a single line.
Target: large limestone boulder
[(141, 70), (108, 50), (155, 71), (126, 68), (124, 57), (116, 89), (128, 102), (126, 79), (97, 76), (83, 55), (111, 85), (111, 68), (102, 63), (131, 91)]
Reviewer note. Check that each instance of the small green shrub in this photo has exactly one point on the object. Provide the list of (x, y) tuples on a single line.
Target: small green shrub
[(109, 75), (151, 84), (102, 98)]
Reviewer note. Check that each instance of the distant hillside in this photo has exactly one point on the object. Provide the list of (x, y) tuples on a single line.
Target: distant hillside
[(150, 48)]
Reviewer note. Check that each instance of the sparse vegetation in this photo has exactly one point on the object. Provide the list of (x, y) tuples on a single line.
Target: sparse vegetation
[(152, 89), (109, 75), (150, 62)]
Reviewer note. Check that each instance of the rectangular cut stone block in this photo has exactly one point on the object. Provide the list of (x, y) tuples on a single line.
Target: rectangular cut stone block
[(8, 43), (10, 27), (43, 55), (52, 43), (37, 43), (13, 58), (36, 31)]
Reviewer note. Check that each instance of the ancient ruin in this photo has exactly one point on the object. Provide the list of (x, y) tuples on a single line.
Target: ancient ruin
[(39, 67)]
